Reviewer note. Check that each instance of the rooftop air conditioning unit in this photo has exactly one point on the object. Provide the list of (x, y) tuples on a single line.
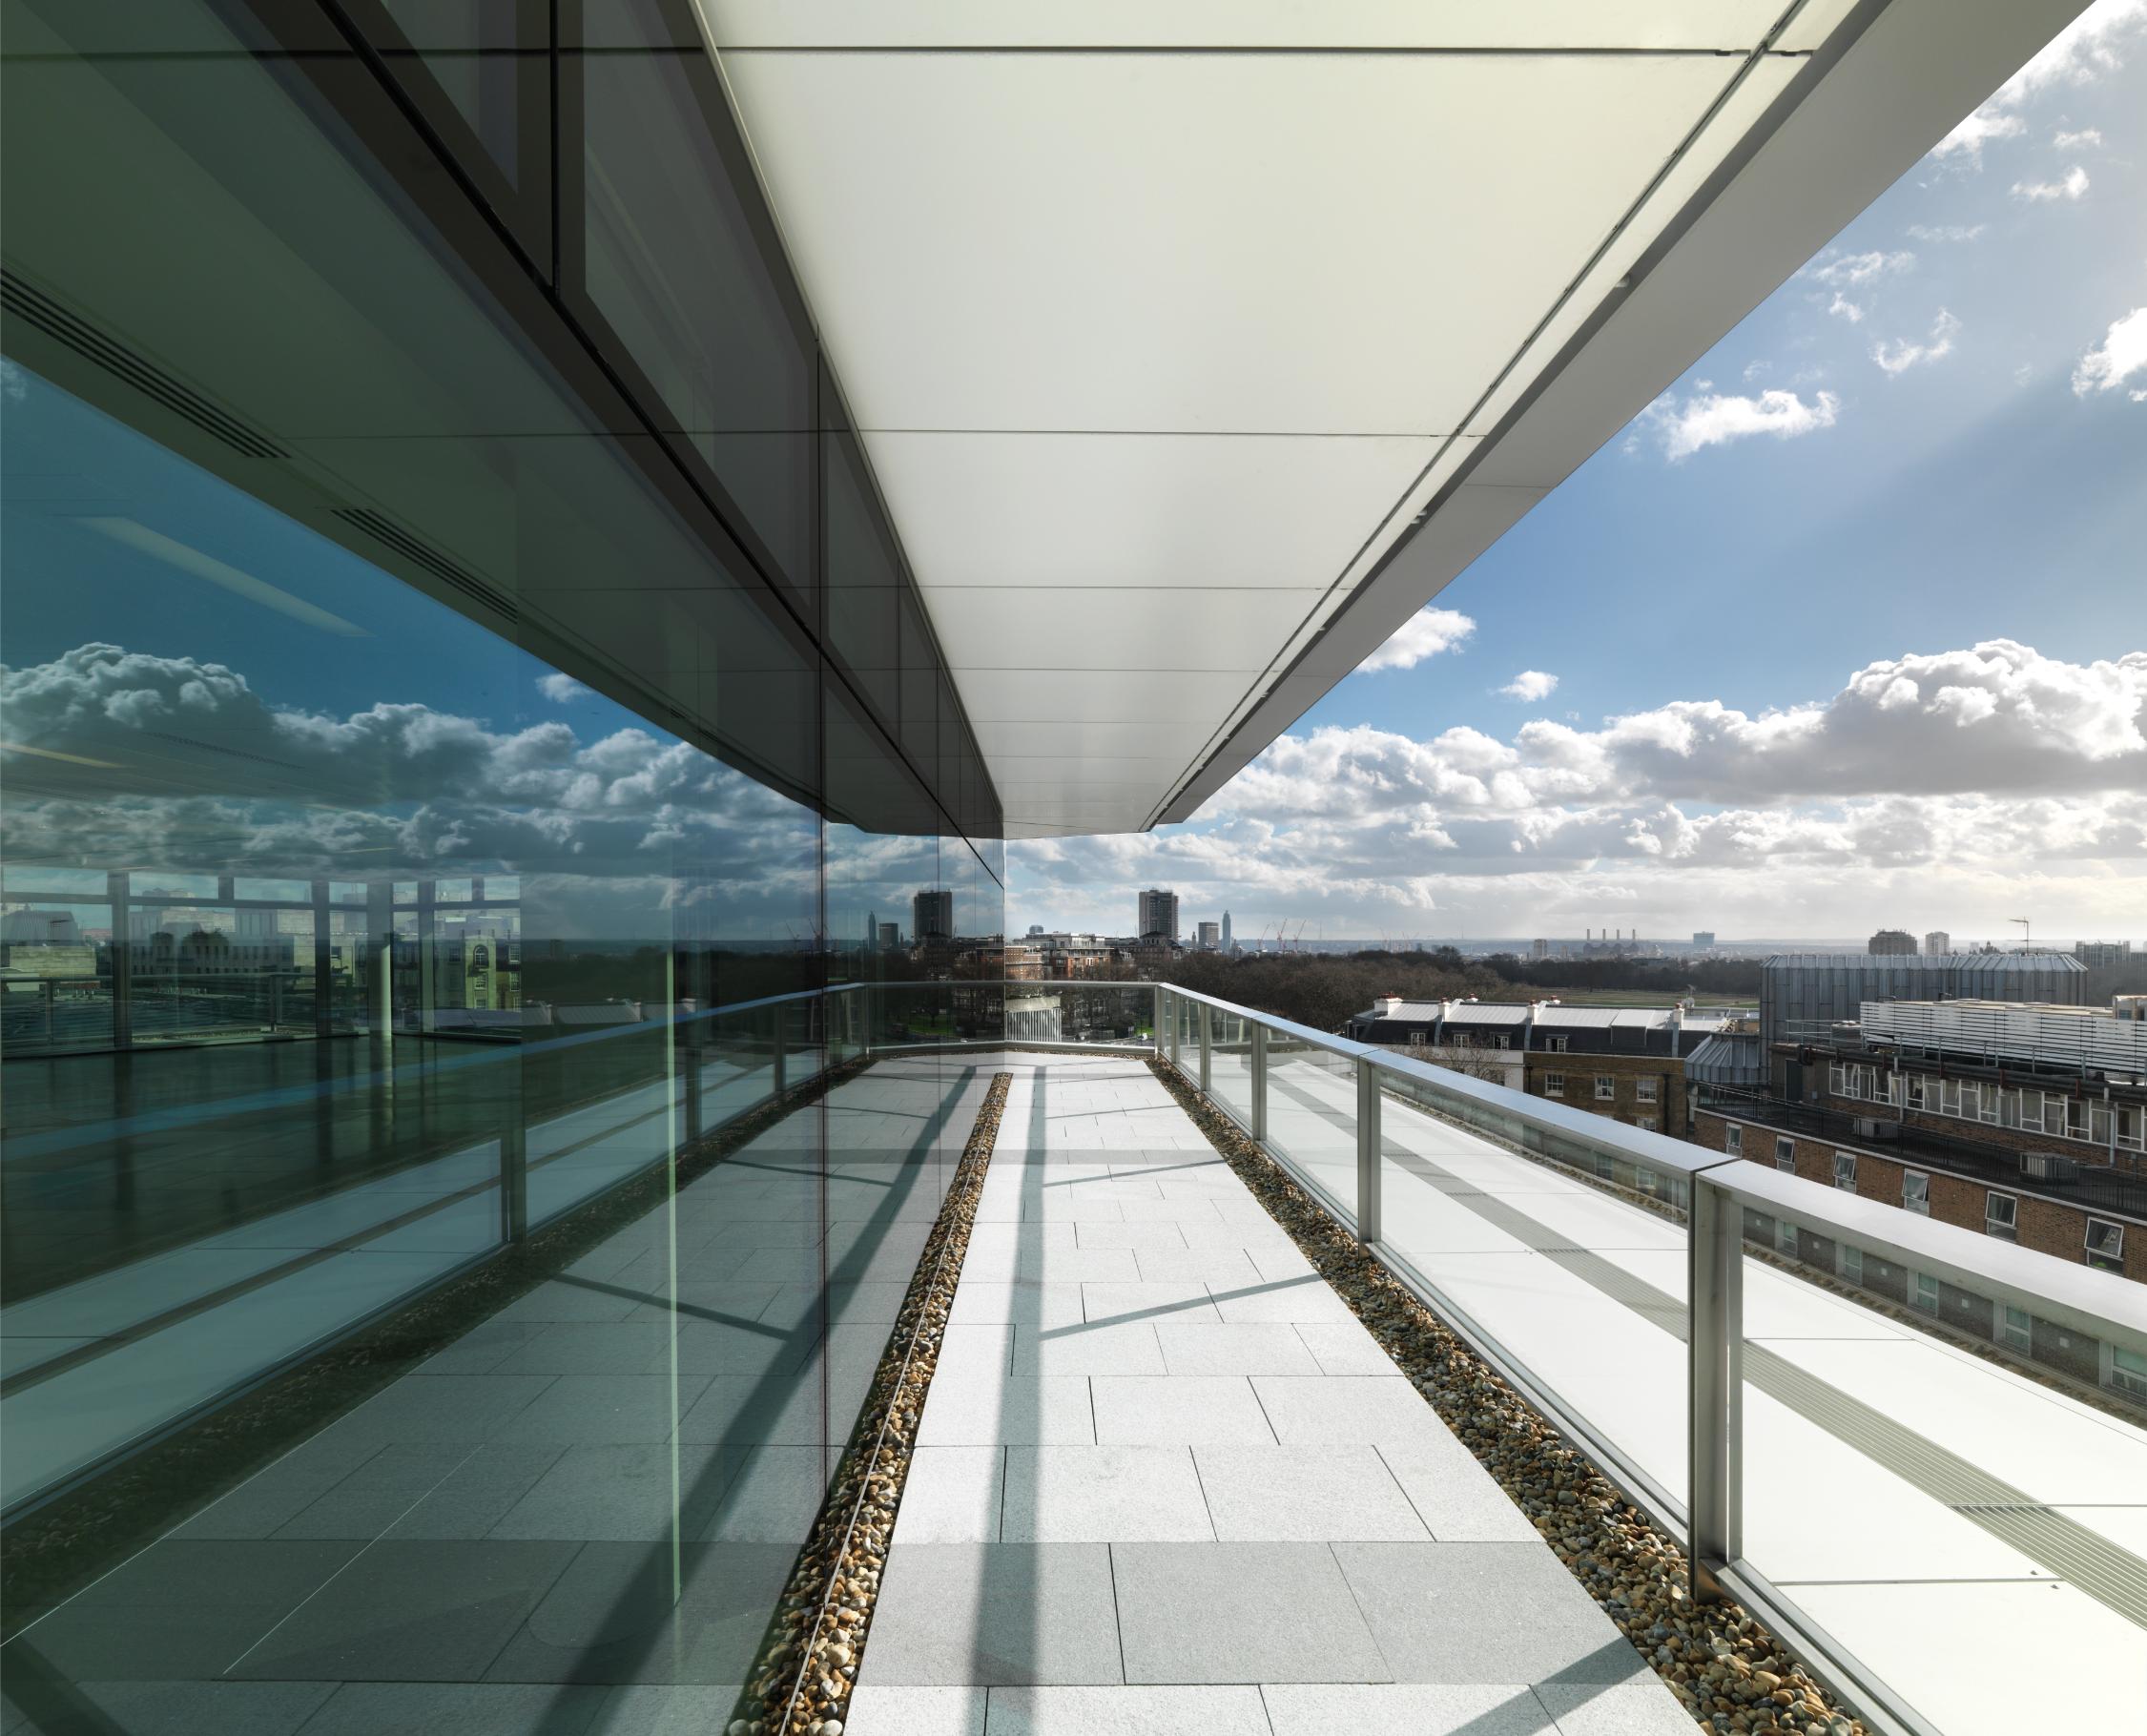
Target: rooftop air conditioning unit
[(1871, 1127), (2050, 1167)]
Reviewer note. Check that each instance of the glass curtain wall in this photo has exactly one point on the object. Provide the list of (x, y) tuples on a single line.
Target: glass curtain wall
[(475, 765)]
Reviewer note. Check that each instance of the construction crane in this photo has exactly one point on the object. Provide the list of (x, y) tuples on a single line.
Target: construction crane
[(2024, 931)]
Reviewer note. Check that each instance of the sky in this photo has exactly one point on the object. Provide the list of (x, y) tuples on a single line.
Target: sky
[(1847, 630)]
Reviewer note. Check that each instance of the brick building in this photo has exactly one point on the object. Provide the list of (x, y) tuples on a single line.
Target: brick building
[(2022, 1121), (1641, 1090)]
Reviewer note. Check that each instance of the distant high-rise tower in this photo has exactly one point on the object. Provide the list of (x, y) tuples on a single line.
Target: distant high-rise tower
[(931, 916), (1703, 940), (1937, 944), (890, 935), (1539, 949), (1159, 915), (1225, 931), (1892, 943), (1207, 936)]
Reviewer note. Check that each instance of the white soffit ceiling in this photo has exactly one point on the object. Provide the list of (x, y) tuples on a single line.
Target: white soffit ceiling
[(1162, 325)]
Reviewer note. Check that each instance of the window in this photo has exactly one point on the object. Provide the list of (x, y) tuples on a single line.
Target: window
[(1915, 1193), (1784, 1237), (2131, 1125), (2015, 1330), (2001, 1213), (1644, 1091), (2127, 1372), (1733, 1140), (1645, 1123), (2105, 1245), (1916, 1091), (2031, 1111), (1556, 1044), (1925, 1294), (1851, 1263), (1606, 1087), (1554, 1084), (1948, 1096), (1845, 1170), (1785, 1153), (1837, 1079)]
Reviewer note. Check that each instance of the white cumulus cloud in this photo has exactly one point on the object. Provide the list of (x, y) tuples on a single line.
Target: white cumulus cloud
[(2085, 139), (1426, 634), (1945, 231), (1987, 775), (1898, 355), (1530, 684), (1711, 419), (2074, 186), (559, 688), (2121, 354)]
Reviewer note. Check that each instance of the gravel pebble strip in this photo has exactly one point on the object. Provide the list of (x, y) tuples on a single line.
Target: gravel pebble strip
[(809, 1660), (1725, 1669)]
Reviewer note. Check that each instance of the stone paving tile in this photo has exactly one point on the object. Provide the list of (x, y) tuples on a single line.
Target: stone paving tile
[(1200, 1210), (1349, 1410), (996, 1613), (1241, 1612), (1219, 1269), (876, 1709), (1134, 1235), (1453, 1494), (976, 1349), (1178, 1409), (1631, 1709), (1274, 1494), (953, 1494), (1344, 1348), (1195, 1349), (1447, 1709), (1185, 1300), (1108, 1348), (1308, 1299), (1055, 1266), (1483, 1612), (1125, 1711), (1102, 1494), (984, 1410), (979, 1302)]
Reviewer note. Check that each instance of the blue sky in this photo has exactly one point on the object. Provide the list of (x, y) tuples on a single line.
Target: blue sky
[(1957, 455)]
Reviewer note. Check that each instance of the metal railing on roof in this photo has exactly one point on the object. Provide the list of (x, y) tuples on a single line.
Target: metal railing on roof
[(1724, 1200)]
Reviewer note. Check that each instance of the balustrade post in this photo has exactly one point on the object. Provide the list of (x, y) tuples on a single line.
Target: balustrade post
[(1715, 1415), (780, 1057), (1368, 1151), (1206, 1014), (1259, 1084)]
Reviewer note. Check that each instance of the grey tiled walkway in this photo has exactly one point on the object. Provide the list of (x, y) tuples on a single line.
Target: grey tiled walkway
[(1166, 1483)]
